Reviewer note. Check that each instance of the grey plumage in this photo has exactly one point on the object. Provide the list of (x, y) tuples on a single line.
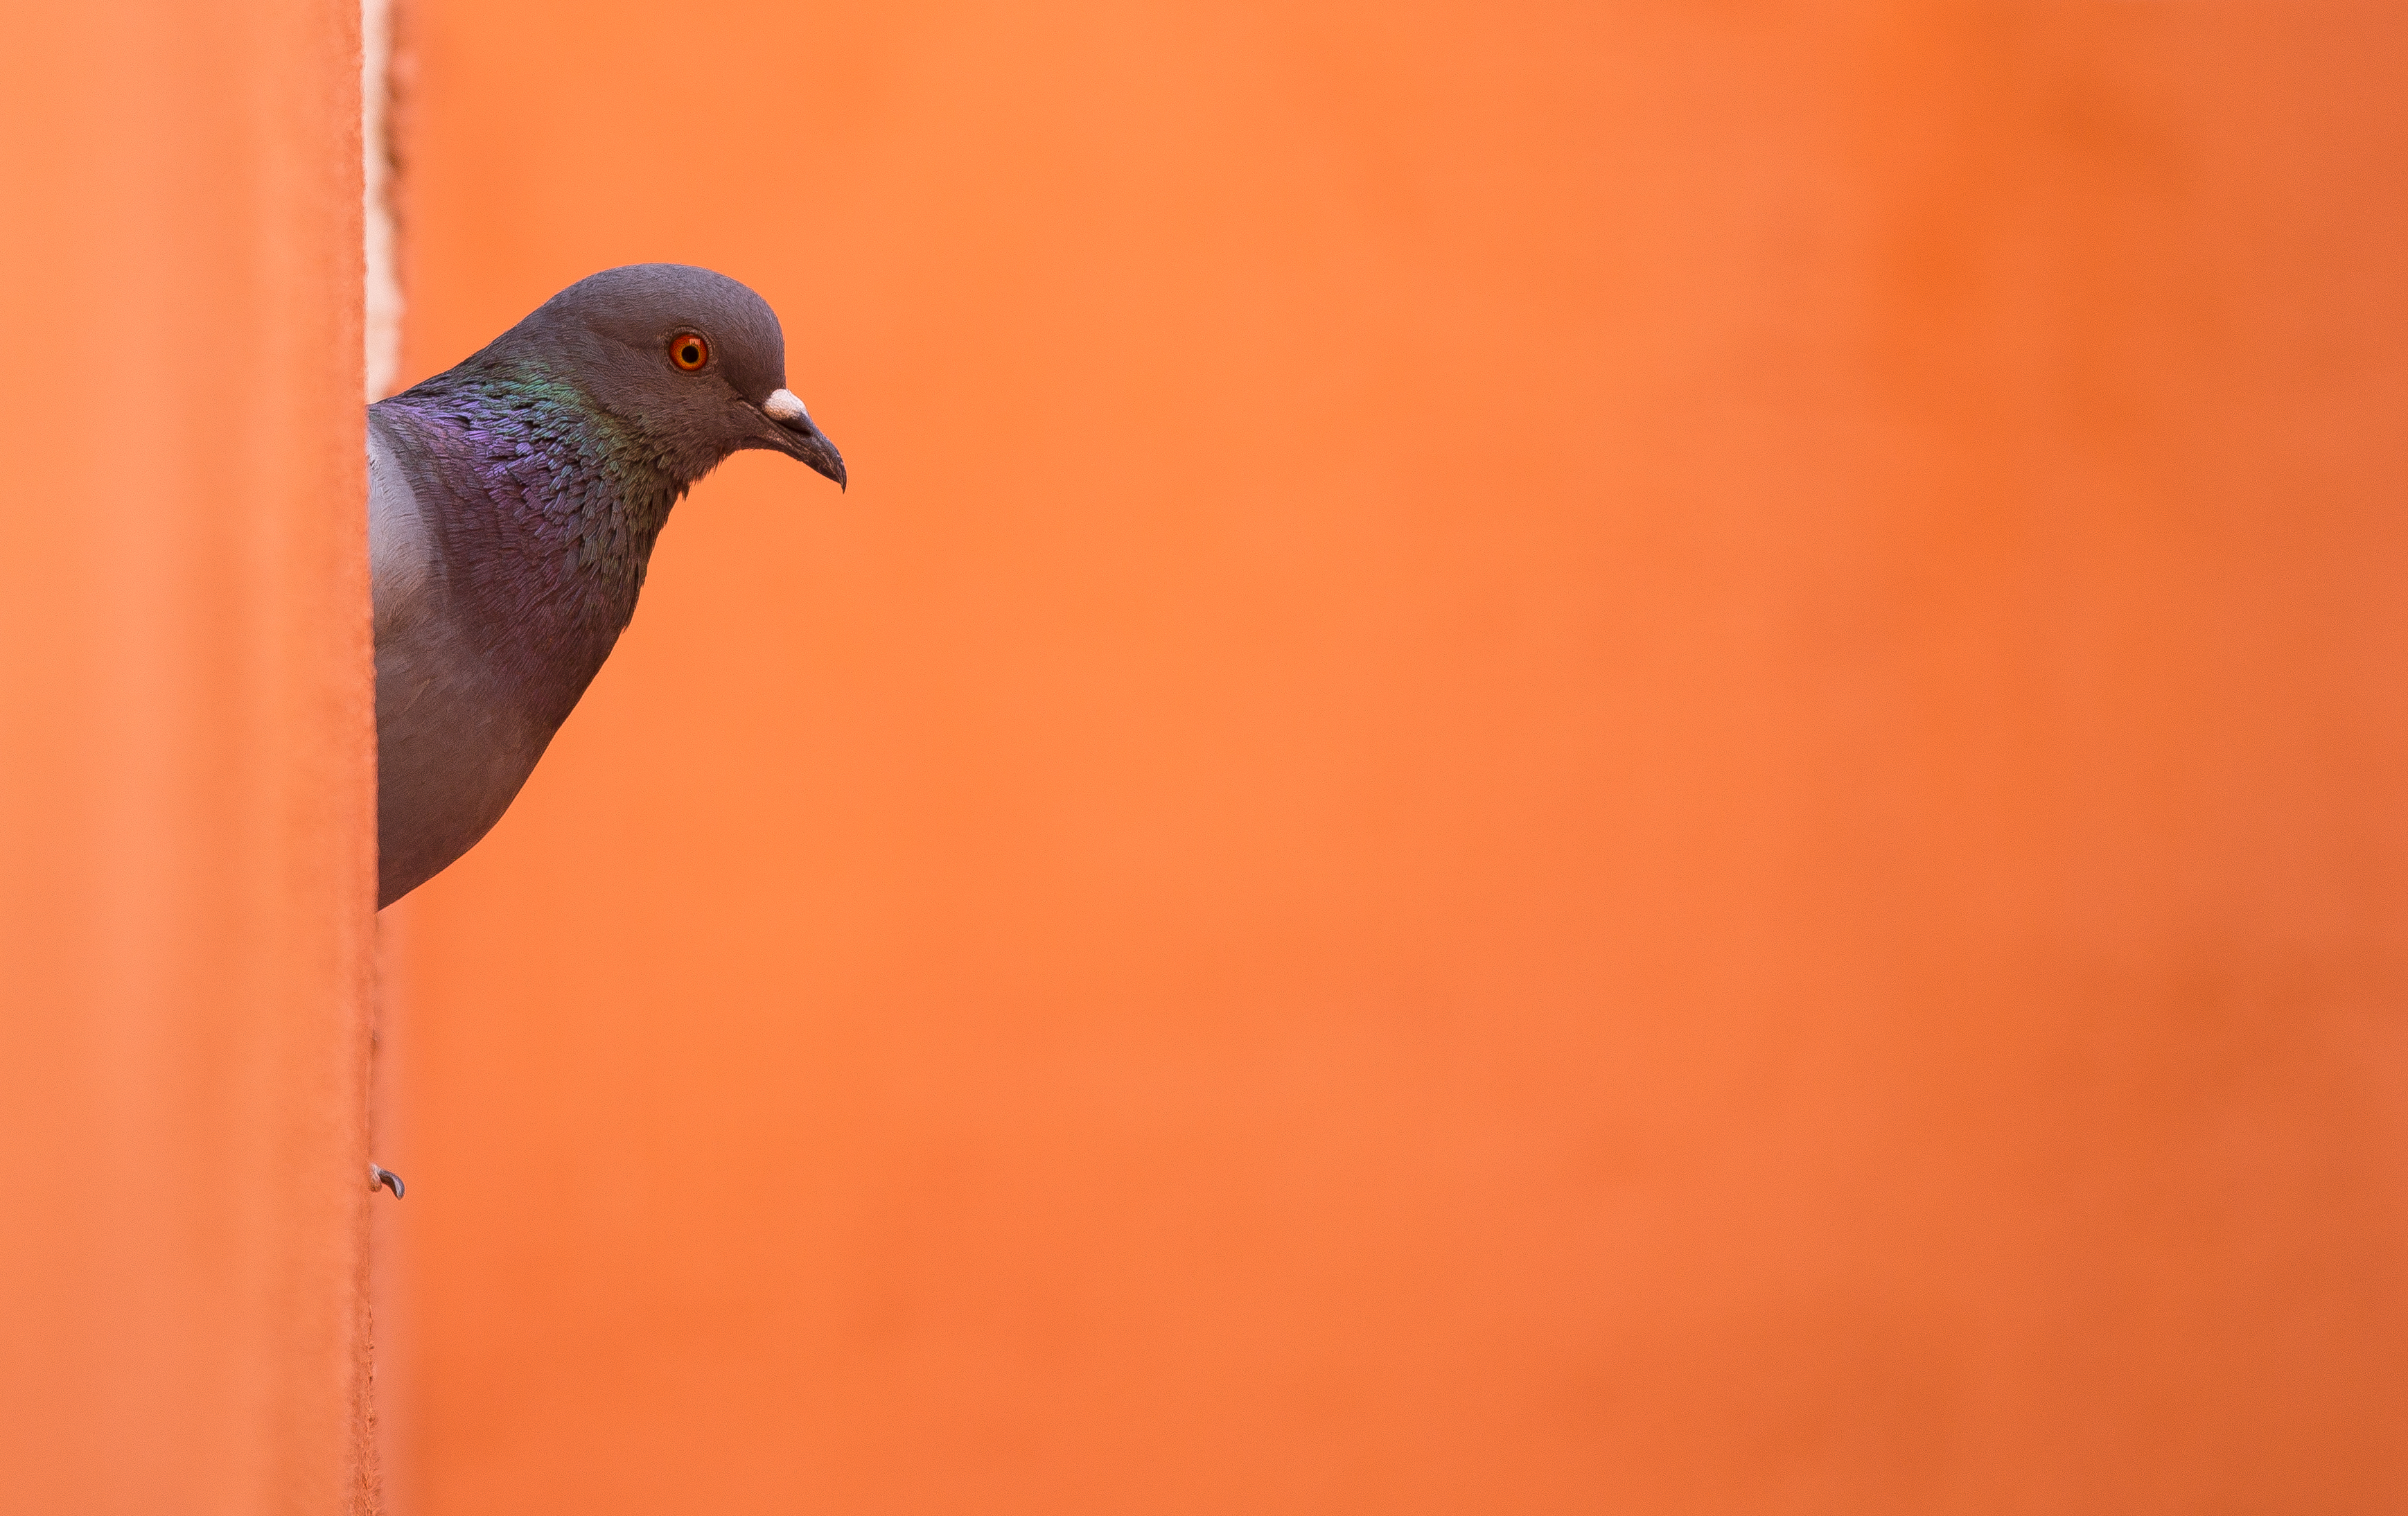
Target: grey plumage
[(513, 502)]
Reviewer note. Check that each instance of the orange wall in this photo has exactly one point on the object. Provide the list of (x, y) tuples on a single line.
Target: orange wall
[(1555, 759), (187, 761)]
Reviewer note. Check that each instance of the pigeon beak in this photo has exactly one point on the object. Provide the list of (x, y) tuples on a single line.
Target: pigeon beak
[(797, 437)]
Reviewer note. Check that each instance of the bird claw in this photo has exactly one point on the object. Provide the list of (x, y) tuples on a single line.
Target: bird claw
[(385, 1178)]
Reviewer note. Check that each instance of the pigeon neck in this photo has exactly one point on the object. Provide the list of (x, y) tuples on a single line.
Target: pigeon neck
[(550, 507)]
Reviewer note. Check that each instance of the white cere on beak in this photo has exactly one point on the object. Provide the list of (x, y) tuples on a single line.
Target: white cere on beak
[(783, 407)]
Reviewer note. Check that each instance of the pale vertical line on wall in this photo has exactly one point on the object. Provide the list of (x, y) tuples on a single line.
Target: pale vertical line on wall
[(391, 1291), (381, 332), (380, 233)]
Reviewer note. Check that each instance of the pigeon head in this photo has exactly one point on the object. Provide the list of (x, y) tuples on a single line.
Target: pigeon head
[(694, 362)]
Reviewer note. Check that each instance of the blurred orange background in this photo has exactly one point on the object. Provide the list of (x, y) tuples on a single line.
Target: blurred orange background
[(1559, 758)]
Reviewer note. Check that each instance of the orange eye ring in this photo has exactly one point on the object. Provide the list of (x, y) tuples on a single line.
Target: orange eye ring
[(689, 351)]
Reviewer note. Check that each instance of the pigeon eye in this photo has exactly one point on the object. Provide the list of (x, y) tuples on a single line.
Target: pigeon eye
[(689, 351)]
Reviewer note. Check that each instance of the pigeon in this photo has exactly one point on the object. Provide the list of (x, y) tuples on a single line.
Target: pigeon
[(513, 502)]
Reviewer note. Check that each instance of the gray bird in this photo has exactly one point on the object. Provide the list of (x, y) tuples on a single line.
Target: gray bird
[(513, 502)]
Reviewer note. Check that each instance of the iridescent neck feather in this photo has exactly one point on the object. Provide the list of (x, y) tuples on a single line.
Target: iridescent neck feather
[(579, 497)]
